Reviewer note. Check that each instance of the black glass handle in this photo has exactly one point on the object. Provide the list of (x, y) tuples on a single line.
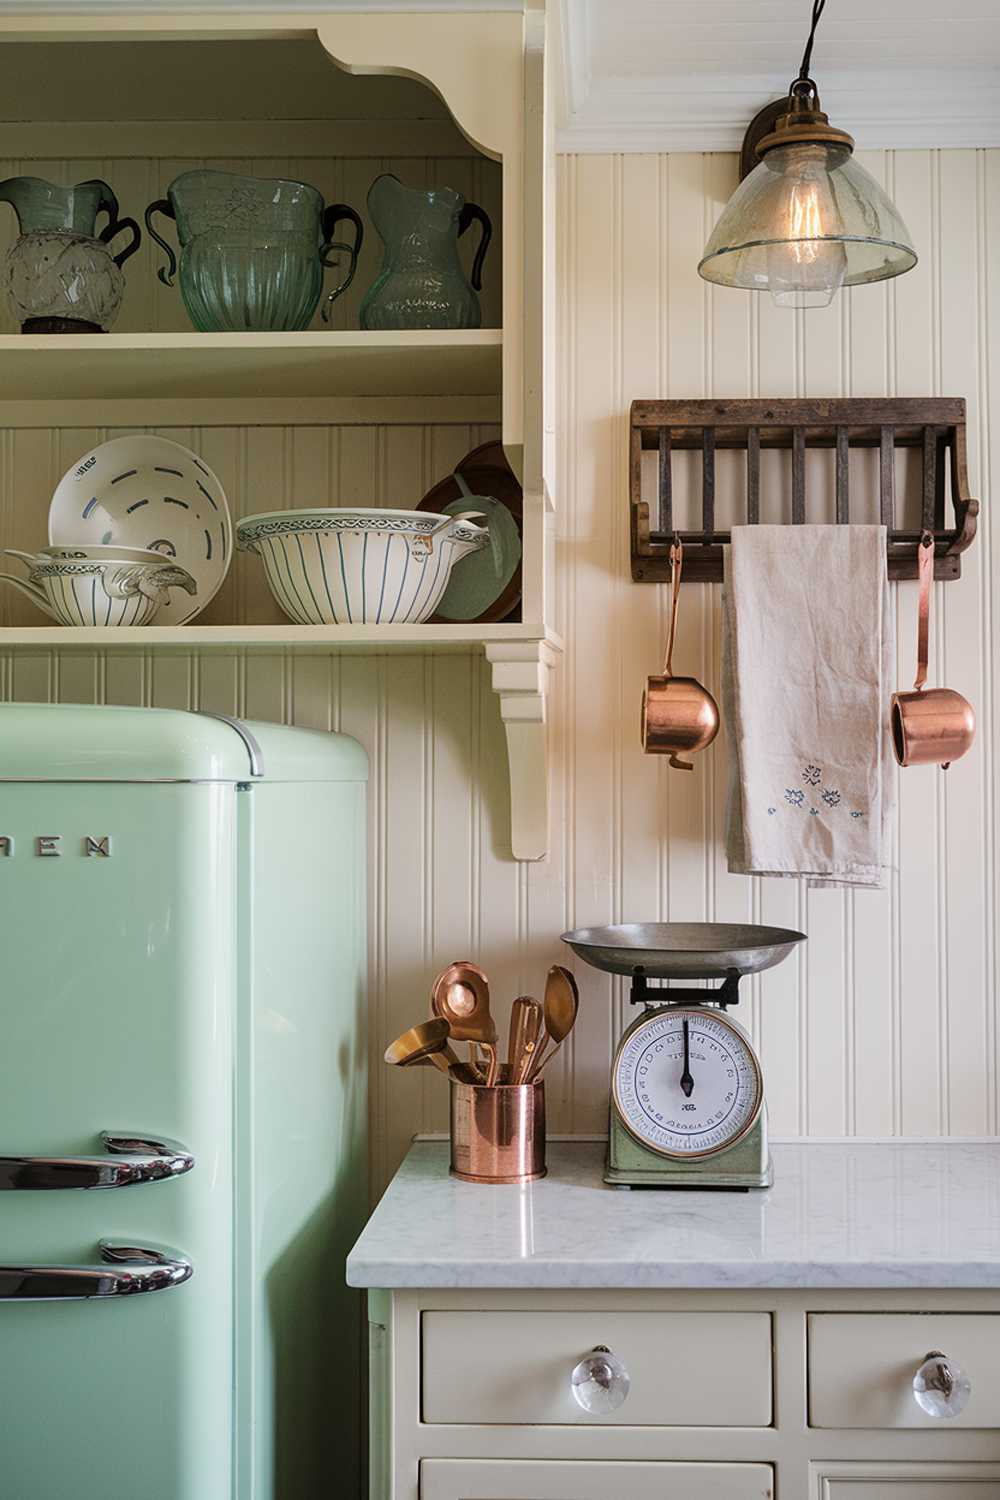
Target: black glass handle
[(133, 244), (332, 216), (165, 207), (473, 214)]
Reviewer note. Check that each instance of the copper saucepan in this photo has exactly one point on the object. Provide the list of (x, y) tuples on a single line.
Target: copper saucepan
[(679, 716), (930, 726)]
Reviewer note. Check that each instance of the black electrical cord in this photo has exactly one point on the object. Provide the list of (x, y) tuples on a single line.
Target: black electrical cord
[(817, 11)]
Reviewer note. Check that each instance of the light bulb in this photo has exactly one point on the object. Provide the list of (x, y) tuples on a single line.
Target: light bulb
[(805, 273), (805, 266)]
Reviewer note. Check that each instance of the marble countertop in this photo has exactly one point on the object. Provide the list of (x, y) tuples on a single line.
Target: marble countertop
[(849, 1214)]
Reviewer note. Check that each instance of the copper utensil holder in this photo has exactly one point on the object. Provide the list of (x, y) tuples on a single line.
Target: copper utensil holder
[(498, 1134)]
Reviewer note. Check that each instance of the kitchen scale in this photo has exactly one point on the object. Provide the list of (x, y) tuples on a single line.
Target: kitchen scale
[(687, 1090)]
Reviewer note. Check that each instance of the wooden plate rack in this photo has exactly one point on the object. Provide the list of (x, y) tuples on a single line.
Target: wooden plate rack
[(935, 425)]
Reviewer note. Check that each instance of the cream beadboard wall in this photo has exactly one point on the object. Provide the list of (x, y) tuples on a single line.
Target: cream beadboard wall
[(887, 1023)]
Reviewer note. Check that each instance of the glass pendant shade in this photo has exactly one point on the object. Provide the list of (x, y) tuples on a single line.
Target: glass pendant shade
[(807, 220)]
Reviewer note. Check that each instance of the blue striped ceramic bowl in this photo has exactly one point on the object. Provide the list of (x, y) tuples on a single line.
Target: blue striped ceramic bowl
[(359, 567)]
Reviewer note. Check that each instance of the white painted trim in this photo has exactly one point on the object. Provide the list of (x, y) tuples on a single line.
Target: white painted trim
[(920, 133), (911, 109), (520, 679)]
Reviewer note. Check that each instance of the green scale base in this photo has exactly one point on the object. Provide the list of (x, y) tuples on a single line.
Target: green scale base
[(745, 1165)]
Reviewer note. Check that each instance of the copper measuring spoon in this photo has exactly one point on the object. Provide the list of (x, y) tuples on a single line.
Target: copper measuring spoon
[(461, 996), (562, 1001), (427, 1042)]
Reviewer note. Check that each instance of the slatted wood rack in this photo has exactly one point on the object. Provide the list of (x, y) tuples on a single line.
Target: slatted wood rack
[(935, 425)]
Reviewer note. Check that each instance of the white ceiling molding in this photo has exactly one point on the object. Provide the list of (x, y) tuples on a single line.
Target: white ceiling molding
[(689, 75), (28, 8)]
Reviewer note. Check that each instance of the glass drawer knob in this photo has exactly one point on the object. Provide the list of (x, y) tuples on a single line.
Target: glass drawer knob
[(940, 1388), (600, 1382)]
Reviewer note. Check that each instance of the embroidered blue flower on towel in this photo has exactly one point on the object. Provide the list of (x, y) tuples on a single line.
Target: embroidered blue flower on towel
[(812, 775)]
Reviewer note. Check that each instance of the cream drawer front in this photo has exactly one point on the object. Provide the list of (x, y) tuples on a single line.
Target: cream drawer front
[(884, 1481), (502, 1479), (861, 1367), (686, 1369)]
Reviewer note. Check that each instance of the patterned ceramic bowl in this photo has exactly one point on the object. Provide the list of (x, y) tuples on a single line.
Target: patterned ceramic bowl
[(359, 567), (99, 591)]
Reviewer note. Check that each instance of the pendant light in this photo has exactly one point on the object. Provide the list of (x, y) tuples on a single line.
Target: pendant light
[(806, 217)]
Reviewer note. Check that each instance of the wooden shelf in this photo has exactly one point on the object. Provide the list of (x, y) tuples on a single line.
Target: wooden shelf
[(520, 656), (115, 366), (331, 639)]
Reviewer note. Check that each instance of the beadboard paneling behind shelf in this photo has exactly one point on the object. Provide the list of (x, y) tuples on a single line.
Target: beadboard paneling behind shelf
[(886, 1025)]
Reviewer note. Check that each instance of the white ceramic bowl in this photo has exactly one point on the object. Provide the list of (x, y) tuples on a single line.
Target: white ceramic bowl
[(92, 591), (148, 493), (359, 567)]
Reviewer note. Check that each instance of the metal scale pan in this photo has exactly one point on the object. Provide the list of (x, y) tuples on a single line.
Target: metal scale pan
[(683, 950)]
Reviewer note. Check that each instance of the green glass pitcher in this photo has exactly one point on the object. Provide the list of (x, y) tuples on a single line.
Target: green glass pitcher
[(60, 275), (253, 249), (422, 283)]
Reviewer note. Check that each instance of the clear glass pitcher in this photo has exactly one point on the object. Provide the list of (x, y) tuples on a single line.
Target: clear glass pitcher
[(422, 283), (253, 249), (60, 275)]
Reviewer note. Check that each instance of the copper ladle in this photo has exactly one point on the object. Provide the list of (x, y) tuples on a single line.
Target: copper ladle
[(461, 996), (562, 1001), (678, 714), (427, 1042)]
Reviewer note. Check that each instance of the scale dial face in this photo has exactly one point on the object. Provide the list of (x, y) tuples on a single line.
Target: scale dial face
[(686, 1101)]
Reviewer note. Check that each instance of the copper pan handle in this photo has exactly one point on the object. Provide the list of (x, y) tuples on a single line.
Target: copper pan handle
[(925, 561), (676, 563)]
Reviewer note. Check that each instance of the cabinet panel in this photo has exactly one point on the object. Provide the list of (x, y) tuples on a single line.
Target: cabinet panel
[(932, 1481), (687, 1369), (861, 1367), (499, 1479)]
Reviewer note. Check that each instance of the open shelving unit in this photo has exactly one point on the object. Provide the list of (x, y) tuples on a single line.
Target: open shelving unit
[(319, 98)]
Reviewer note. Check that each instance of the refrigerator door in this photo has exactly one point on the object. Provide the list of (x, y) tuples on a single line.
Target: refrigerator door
[(117, 920), (302, 1069)]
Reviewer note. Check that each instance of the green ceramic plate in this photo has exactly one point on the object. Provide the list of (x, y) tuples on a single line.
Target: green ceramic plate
[(479, 580), (486, 586)]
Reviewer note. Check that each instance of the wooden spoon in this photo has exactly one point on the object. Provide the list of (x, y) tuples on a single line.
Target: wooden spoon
[(562, 1001), (427, 1042), (461, 996)]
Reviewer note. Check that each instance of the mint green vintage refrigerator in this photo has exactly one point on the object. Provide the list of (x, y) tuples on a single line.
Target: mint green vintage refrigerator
[(182, 1106)]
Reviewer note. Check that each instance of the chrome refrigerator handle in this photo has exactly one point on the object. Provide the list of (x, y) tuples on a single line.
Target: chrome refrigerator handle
[(131, 1159), (141, 1270)]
